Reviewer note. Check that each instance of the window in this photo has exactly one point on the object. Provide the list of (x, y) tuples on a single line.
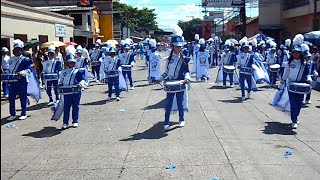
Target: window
[(290, 4), (77, 19), (89, 20), (22, 37), (61, 39), (71, 39), (43, 38)]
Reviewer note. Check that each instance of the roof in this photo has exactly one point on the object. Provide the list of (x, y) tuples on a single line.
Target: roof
[(66, 8)]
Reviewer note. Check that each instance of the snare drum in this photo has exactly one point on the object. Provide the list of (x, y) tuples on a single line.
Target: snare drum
[(246, 70), (50, 77), (174, 86), (228, 69), (65, 90), (95, 63), (299, 88), (113, 73), (126, 67), (9, 77), (274, 67)]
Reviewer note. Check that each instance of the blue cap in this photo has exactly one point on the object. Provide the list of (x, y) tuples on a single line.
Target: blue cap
[(306, 54), (226, 47), (112, 49), (97, 44), (245, 44), (177, 40), (127, 46), (70, 58), (297, 48)]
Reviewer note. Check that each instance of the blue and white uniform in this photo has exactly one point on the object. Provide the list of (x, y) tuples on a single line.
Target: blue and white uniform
[(228, 59), (96, 59), (313, 66), (271, 59), (245, 60), (154, 66), (52, 66), (5, 66), (127, 58)]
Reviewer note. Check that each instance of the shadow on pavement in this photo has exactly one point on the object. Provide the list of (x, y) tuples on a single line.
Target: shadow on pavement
[(155, 132), (278, 128), (142, 85), (140, 80), (237, 100), (159, 105), (44, 133), (217, 87), (318, 107), (36, 107)]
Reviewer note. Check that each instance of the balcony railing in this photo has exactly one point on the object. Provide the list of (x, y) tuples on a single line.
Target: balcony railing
[(291, 4)]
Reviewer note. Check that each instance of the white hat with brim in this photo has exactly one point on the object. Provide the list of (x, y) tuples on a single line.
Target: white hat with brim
[(4, 49), (177, 41)]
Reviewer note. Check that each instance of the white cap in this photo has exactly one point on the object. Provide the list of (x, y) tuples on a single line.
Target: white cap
[(51, 48), (17, 43), (4, 49), (202, 41)]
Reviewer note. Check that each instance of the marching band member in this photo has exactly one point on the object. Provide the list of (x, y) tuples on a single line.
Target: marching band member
[(312, 68), (72, 77), (283, 57), (121, 50), (287, 44), (196, 48), (210, 48), (127, 59), (147, 51), (18, 67), (228, 58), (244, 63), (51, 69), (271, 59), (96, 58), (4, 67), (176, 69), (202, 69), (111, 67), (154, 63), (294, 84), (82, 62), (216, 52), (85, 52)]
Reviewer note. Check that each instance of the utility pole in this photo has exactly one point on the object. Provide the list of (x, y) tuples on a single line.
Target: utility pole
[(243, 18)]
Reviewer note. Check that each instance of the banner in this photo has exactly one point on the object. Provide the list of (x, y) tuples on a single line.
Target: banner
[(206, 30), (222, 3)]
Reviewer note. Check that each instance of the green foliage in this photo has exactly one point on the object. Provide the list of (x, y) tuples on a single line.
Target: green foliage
[(190, 28), (138, 19)]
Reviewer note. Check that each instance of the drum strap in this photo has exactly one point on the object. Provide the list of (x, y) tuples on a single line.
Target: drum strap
[(127, 58), (96, 58), (300, 73), (229, 57), (247, 61), (53, 66), (17, 65), (73, 76)]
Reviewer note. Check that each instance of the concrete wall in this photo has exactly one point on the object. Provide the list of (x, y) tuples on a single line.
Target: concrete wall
[(106, 26), (302, 10), (270, 12), (20, 19)]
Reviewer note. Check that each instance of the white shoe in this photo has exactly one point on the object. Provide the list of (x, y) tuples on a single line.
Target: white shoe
[(231, 86), (248, 95), (118, 98), (22, 117), (298, 122), (64, 126), (132, 88), (97, 81), (109, 98), (182, 123), (294, 125), (243, 98), (309, 102), (166, 127), (11, 118), (50, 103), (75, 125)]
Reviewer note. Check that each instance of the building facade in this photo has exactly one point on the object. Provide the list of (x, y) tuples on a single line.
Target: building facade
[(26, 23)]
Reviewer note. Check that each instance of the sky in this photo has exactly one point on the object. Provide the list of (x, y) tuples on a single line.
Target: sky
[(171, 11)]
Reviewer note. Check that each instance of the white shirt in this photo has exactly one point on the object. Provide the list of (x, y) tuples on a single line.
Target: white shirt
[(125, 57), (109, 64), (225, 58), (5, 62), (242, 59), (48, 66), (271, 58), (85, 53), (291, 72)]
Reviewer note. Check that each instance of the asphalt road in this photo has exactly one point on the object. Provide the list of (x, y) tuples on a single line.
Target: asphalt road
[(223, 137)]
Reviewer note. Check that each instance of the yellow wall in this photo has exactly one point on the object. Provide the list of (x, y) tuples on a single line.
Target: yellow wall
[(106, 26), (95, 25)]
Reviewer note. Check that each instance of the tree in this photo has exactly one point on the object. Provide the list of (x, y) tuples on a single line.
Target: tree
[(190, 28), (137, 19)]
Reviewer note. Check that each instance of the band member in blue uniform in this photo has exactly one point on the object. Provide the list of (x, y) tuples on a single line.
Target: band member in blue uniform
[(4, 66), (312, 69), (96, 59), (202, 70), (244, 63), (51, 69), (283, 56), (111, 66), (176, 69), (228, 59), (196, 48), (272, 59), (154, 63), (18, 65), (127, 59), (296, 71), (72, 77)]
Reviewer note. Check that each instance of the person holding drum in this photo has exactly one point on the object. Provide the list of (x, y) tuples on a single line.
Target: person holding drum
[(272, 64), (4, 66), (17, 76), (228, 59), (244, 63), (96, 59), (176, 76), (50, 73), (312, 70), (71, 83), (127, 62), (82, 62), (296, 74)]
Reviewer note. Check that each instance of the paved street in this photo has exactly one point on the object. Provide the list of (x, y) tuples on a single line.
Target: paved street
[(223, 137)]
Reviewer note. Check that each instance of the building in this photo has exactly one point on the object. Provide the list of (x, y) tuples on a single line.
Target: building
[(283, 19), (26, 23), (86, 22), (252, 27)]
